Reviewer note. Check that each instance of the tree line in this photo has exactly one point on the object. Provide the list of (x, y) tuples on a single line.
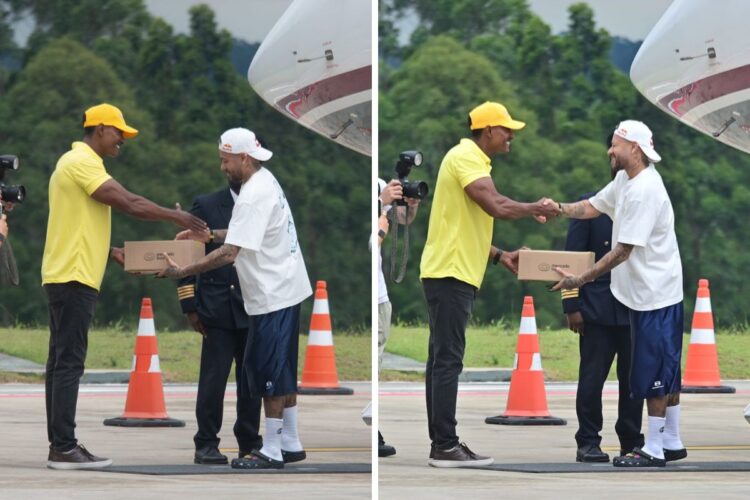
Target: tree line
[(181, 91), (570, 94)]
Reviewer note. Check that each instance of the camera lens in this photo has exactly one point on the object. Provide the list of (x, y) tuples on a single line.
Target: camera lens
[(13, 194), (416, 189)]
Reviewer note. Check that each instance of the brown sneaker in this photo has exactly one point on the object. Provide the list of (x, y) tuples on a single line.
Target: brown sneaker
[(458, 456), (77, 458)]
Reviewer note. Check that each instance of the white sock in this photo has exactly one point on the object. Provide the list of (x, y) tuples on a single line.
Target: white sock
[(654, 446), (672, 439), (272, 439), (289, 436)]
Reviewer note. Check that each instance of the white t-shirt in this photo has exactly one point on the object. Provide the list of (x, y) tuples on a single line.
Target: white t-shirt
[(642, 216), (269, 265), (382, 289)]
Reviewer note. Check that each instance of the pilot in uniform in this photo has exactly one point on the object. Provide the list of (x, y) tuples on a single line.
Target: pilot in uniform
[(216, 298), (605, 332)]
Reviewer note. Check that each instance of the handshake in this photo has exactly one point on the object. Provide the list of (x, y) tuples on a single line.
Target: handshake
[(544, 209)]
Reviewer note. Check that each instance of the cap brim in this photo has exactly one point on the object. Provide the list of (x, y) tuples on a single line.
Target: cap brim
[(128, 132), (261, 154), (650, 153), (515, 125)]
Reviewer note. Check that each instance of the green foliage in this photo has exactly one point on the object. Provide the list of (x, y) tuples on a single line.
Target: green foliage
[(181, 91), (572, 97)]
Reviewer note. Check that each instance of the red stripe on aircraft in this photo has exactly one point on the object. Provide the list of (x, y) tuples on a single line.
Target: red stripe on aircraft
[(325, 91), (702, 91)]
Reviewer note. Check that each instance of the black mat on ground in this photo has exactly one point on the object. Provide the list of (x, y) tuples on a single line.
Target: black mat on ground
[(188, 469), (556, 468)]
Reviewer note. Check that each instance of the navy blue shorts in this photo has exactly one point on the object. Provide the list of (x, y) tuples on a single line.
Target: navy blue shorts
[(270, 359), (656, 338)]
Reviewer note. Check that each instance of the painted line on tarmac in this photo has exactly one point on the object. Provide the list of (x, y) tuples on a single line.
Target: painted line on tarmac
[(502, 392)]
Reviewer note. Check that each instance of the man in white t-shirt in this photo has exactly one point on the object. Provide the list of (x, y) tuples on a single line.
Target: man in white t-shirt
[(262, 242), (647, 278)]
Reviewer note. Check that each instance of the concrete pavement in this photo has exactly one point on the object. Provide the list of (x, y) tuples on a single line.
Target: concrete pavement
[(331, 429), (713, 429)]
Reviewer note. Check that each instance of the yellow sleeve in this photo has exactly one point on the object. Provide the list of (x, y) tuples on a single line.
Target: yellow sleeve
[(468, 169), (89, 175)]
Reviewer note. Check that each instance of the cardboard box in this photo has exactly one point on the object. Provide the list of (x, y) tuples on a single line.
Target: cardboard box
[(537, 264), (143, 257)]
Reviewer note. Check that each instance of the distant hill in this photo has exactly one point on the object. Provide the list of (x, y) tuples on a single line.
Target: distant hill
[(241, 55), (623, 52)]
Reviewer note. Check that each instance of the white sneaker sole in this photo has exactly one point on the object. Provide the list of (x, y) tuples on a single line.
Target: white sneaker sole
[(79, 465), (459, 463)]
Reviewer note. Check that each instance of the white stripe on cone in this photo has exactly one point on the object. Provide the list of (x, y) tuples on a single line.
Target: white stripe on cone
[(536, 363), (154, 367), (702, 336), (528, 326), (320, 337), (320, 307), (703, 305), (146, 327), (515, 361), (132, 368)]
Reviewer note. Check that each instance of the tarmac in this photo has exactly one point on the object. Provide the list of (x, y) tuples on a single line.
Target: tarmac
[(331, 429), (712, 426)]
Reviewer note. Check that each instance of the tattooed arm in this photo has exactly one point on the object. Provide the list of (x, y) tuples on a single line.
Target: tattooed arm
[(579, 210), (611, 259), (223, 255)]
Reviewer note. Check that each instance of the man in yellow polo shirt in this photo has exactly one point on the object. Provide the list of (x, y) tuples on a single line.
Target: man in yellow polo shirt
[(454, 259), (81, 194)]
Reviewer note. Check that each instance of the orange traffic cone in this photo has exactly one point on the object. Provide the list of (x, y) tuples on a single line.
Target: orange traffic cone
[(319, 374), (145, 406), (702, 365), (527, 398)]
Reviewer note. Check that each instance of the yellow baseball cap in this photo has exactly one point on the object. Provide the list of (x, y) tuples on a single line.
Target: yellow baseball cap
[(493, 114), (106, 114)]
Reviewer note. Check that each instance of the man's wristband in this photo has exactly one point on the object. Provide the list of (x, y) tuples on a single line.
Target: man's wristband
[(381, 233), (497, 256), (2, 237)]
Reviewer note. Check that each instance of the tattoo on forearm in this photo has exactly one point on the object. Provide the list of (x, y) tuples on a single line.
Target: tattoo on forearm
[(611, 259), (574, 210), (219, 257)]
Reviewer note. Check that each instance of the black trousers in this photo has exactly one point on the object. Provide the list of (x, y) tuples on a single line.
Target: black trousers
[(221, 347), (449, 304), (71, 308), (598, 347)]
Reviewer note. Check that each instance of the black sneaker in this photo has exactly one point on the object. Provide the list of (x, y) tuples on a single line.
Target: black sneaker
[(591, 453), (77, 458), (384, 450), (458, 456), (672, 455), (209, 455)]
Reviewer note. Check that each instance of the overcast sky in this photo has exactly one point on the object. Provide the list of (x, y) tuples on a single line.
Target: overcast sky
[(631, 19), (250, 20)]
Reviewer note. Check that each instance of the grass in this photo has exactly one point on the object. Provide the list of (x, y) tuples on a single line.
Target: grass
[(179, 353), (494, 347)]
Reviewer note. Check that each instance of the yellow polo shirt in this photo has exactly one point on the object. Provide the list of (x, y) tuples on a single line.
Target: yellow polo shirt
[(79, 227), (460, 231)]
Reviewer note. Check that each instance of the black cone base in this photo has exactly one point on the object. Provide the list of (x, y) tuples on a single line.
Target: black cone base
[(325, 391), (144, 422), (503, 420), (700, 389)]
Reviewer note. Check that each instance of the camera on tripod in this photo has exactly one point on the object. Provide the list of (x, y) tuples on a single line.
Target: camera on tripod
[(411, 189), (12, 194)]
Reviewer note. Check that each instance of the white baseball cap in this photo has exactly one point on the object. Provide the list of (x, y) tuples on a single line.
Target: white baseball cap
[(242, 140), (638, 132)]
